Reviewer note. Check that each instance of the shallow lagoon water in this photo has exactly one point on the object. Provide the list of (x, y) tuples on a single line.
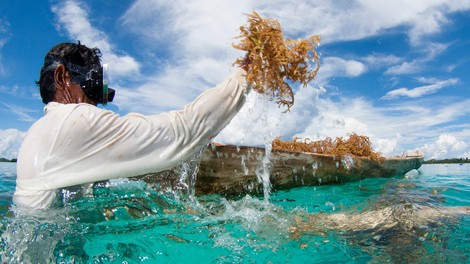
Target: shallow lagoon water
[(130, 221)]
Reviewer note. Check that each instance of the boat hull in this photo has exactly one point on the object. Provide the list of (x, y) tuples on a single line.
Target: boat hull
[(232, 170)]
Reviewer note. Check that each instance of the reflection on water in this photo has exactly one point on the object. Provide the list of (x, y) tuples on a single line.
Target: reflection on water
[(375, 220)]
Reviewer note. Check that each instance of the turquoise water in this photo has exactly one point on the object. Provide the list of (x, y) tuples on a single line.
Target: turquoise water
[(129, 221)]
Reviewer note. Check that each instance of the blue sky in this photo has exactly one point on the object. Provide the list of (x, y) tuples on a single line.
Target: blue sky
[(396, 71)]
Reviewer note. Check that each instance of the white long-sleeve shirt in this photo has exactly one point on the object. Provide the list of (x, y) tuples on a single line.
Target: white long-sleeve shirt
[(75, 144)]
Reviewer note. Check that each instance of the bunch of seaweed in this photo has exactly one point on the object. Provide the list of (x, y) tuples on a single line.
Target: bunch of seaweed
[(275, 62), (354, 145)]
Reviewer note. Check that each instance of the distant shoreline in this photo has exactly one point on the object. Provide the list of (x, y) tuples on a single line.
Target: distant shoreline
[(447, 161), (7, 160)]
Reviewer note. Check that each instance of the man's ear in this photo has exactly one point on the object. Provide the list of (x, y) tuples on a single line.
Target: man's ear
[(60, 77)]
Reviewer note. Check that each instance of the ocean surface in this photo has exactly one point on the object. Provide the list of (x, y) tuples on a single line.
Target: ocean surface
[(420, 220)]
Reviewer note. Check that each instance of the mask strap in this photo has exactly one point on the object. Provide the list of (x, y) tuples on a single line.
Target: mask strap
[(80, 70), (85, 73), (53, 66)]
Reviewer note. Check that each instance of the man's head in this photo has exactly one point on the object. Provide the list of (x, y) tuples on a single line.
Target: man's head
[(72, 73)]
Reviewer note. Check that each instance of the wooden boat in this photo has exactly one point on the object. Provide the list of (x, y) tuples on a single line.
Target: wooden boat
[(232, 170)]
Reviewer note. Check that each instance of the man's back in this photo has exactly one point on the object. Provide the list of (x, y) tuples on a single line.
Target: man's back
[(74, 144)]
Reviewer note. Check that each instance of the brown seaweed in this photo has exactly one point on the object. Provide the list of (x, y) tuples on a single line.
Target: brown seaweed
[(276, 62), (355, 145)]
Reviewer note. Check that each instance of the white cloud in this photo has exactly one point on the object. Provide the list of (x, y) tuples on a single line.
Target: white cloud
[(4, 26), (461, 132), (21, 112), (338, 67), (426, 23), (10, 141), (73, 18), (445, 146), (381, 60), (420, 91), (387, 146), (4, 36), (432, 49), (352, 20), (194, 32), (423, 18), (200, 28), (196, 40), (20, 91), (405, 68), (261, 120), (392, 129), (10, 90), (428, 51)]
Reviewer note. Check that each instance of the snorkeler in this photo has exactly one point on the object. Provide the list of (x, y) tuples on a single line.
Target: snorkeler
[(77, 143)]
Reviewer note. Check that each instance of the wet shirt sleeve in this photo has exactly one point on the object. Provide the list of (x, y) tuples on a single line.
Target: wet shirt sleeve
[(87, 144)]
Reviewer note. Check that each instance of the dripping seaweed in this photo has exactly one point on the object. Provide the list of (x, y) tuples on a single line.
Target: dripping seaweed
[(276, 62)]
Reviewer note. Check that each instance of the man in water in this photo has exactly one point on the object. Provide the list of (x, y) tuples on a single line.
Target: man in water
[(76, 142)]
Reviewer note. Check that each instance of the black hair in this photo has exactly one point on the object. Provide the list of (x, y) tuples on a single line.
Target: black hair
[(77, 54)]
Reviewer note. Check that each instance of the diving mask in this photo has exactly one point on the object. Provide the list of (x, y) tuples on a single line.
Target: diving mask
[(94, 82)]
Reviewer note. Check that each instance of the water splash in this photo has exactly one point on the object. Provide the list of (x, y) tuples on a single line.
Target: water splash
[(244, 167), (265, 226), (187, 171), (263, 170)]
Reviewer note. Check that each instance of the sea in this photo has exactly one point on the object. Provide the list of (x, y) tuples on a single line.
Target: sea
[(424, 219)]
